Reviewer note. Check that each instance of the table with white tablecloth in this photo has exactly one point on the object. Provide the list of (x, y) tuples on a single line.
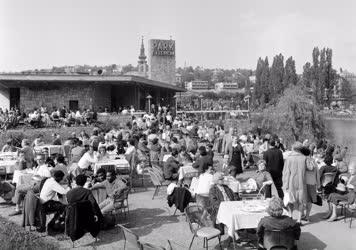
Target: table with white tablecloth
[(121, 165), (9, 165), (22, 177), (243, 214), (52, 149), (187, 172)]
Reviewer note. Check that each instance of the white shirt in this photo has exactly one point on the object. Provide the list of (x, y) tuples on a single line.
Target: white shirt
[(86, 160), (204, 184), (43, 171), (50, 189)]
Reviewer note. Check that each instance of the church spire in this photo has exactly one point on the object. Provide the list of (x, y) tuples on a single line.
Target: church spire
[(142, 56), (142, 63)]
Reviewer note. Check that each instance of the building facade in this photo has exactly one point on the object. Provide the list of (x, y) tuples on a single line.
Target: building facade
[(226, 86), (82, 92), (197, 85), (162, 60)]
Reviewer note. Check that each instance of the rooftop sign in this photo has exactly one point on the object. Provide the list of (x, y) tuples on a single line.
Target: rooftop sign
[(163, 48)]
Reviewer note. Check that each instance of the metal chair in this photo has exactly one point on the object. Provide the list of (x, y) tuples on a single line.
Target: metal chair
[(157, 181), (328, 178), (3, 172), (194, 215), (122, 202), (132, 240), (351, 210), (278, 239)]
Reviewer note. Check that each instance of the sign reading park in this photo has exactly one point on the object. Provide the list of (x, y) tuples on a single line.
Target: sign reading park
[(163, 48)]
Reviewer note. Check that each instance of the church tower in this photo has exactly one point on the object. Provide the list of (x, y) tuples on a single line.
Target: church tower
[(142, 66)]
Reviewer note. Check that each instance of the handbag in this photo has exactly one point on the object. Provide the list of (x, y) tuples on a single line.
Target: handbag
[(319, 201)]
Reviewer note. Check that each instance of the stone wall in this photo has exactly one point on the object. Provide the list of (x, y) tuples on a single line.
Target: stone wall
[(102, 96), (35, 97)]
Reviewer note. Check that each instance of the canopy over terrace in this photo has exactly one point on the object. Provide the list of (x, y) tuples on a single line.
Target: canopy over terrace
[(82, 91)]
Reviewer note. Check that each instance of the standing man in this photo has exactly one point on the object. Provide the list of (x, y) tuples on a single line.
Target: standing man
[(274, 165)]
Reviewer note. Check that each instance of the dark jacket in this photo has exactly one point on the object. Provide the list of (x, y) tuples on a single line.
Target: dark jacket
[(282, 223), (216, 197), (170, 168), (80, 219), (180, 198), (274, 161), (203, 163), (80, 194)]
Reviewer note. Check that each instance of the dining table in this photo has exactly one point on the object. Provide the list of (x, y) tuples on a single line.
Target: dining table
[(8, 161), (121, 165), (187, 172), (22, 177), (244, 214), (52, 149)]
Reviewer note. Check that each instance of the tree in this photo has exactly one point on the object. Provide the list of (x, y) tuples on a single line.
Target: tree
[(294, 117), (265, 79), (258, 85), (307, 75), (276, 77), (290, 74), (345, 89)]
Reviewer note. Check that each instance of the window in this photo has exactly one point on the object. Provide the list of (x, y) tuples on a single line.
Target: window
[(73, 105)]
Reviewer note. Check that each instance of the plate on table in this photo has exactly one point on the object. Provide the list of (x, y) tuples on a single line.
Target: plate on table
[(253, 208)]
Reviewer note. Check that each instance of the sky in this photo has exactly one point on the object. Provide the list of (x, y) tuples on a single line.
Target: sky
[(37, 34)]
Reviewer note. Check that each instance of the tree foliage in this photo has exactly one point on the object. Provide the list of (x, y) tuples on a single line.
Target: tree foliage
[(294, 117)]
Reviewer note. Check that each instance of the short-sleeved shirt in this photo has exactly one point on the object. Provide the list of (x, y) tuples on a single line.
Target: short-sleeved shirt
[(115, 186)]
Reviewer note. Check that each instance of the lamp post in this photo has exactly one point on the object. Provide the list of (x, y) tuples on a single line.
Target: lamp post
[(176, 99), (201, 105), (149, 97)]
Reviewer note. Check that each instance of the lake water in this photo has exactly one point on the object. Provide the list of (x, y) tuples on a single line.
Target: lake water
[(344, 133)]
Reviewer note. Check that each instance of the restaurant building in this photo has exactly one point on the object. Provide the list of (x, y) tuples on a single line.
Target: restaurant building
[(153, 83), (83, 91)]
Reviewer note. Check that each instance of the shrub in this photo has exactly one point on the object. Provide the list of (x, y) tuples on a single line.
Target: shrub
[(12, 236)]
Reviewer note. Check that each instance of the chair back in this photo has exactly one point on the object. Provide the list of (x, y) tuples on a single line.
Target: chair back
[(328, 178), (279, 239), (131, 239), (194, 214), (154, 178), (3, 170), (158, 171)]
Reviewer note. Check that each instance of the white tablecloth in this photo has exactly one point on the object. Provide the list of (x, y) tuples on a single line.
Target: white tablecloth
[(52, 149), (235, 216), (9, 164), (187, 172), (21, 177), (118, 163)]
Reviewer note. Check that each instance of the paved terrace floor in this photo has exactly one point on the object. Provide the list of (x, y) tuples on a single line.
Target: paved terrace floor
[(154, 222)]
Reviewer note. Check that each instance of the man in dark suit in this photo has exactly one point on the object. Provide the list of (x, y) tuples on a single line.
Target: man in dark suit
[(274, 165), (204, 161)]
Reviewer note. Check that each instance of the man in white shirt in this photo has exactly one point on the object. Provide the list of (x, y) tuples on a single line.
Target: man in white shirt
[(51, 188), (49, 197), (88, 158), (42, 170)]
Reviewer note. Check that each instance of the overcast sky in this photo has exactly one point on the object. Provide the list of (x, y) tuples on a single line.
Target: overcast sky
[(213, 34)]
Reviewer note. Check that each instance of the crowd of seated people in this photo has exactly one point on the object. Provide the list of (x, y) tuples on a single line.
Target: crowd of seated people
[(170, 143)]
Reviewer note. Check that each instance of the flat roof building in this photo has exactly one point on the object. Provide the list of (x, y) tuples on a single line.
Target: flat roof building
[(82, 91)]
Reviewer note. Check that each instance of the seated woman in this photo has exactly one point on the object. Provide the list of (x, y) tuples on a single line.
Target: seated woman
[(219, 192), (171, 167), (263, 178), (103, 155), (349, 195), (276, 221)]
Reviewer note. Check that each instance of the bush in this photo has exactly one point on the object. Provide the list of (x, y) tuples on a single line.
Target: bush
[(12, 236)]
